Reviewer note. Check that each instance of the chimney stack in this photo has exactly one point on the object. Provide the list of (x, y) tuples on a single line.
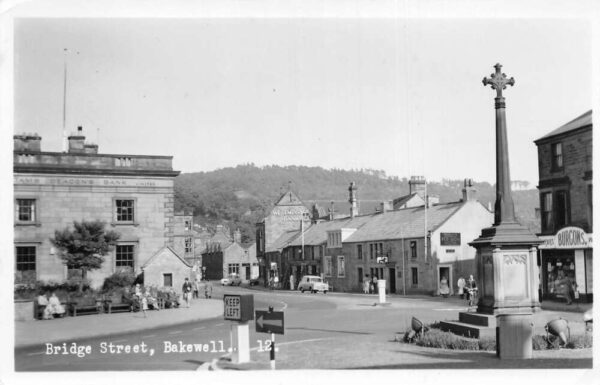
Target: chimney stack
[(468, 191), (76, 142), (385, 206), (352, 199), (237, 236), (27, 142), (416, 184)]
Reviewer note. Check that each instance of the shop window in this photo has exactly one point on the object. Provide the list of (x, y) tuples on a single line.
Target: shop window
[(415, 276), (124, 256), (359, 252), (546, 211), (233, 268), (360, 275), (557, 156), (25, 211)]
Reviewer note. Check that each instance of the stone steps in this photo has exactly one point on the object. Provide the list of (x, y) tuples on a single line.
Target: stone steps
[(468, 330), (473, 325)]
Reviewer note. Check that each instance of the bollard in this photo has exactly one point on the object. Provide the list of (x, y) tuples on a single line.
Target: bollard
[(381, 288), (514, 335)]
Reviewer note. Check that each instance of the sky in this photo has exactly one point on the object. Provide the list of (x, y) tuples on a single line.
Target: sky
[(397, 94)]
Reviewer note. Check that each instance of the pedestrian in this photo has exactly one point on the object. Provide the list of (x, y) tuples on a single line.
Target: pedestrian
[(195, 287), (187, 291), (568, 289), (472, 290), (292, 282), (444, 288), (366, 284), (461, 287), (374, 284), (208, 290)]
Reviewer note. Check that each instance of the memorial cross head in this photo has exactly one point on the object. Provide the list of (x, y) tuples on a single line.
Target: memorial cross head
[(498, 81)]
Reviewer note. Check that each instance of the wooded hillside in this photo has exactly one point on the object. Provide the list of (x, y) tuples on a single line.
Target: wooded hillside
[(240, 196)]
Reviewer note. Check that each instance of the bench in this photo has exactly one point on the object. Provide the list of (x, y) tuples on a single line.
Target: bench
[(116, 304), (85, 305)]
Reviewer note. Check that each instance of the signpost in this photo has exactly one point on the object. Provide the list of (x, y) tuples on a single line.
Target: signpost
[(240, 308), (270, 322)]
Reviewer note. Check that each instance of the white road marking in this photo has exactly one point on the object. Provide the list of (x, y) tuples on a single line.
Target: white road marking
[(452, 309), (35, 354), (200, 328), (221, 324), (123, 340), (175, 332), (149, 335)]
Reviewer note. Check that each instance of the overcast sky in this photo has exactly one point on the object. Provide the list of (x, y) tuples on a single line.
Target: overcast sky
[(402, 95)]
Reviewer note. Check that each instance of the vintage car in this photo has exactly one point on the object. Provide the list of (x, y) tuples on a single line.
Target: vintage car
[(231, 280), (313, 283)]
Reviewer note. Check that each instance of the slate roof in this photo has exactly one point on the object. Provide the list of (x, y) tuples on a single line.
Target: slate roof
[(342, 207), (283, 240), (153, 257), (579, 122), (403, 199), (404, 223), (317, 233)]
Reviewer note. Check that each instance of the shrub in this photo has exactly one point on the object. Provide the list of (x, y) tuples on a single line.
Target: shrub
[(580, 341), (487, 344), (436, 338), (118, 279)]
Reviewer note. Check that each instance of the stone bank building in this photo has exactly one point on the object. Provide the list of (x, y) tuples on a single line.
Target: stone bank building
[(566, 207), (132, 194)]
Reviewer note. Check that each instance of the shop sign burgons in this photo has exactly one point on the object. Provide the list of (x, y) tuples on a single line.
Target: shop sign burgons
[(238, 307)]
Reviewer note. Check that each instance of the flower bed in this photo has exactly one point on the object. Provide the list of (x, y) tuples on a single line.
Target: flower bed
[(436, 338)]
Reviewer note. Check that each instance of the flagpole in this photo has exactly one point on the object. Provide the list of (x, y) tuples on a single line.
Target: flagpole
[(64, 138)]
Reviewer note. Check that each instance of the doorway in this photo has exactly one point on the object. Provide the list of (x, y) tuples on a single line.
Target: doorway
[(247, 272), (392, 276), (445, 271)]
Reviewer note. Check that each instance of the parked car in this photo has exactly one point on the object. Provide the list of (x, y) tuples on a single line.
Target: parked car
[(313, 283), (231, 280), (256, 281)]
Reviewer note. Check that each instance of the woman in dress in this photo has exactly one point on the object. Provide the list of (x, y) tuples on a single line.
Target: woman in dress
[(56, 308), (444, 288)]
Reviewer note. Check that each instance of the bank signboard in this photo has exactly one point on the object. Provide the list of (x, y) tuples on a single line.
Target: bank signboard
[(567, 238)]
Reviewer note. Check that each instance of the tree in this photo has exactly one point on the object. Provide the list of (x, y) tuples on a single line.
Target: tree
[(84, 246)]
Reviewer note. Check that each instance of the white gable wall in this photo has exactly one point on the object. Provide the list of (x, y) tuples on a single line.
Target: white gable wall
[(166, 262), (469, 220)]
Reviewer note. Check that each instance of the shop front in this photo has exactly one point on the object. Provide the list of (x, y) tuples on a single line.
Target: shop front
[(563, 257)]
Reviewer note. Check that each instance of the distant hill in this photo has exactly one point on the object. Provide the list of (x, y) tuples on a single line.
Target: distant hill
[(240, 196)]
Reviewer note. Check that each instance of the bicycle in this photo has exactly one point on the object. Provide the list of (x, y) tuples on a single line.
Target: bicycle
[(472, 292)]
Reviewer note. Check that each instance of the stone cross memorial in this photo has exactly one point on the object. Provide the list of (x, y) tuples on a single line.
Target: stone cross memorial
[(506, 251)]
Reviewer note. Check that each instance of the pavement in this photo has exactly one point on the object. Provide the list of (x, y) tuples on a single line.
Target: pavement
[(36, 332)]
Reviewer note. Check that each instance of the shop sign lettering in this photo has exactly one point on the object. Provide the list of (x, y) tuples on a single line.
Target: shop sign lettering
[(568, 238), (69, 181), (290, 214)]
